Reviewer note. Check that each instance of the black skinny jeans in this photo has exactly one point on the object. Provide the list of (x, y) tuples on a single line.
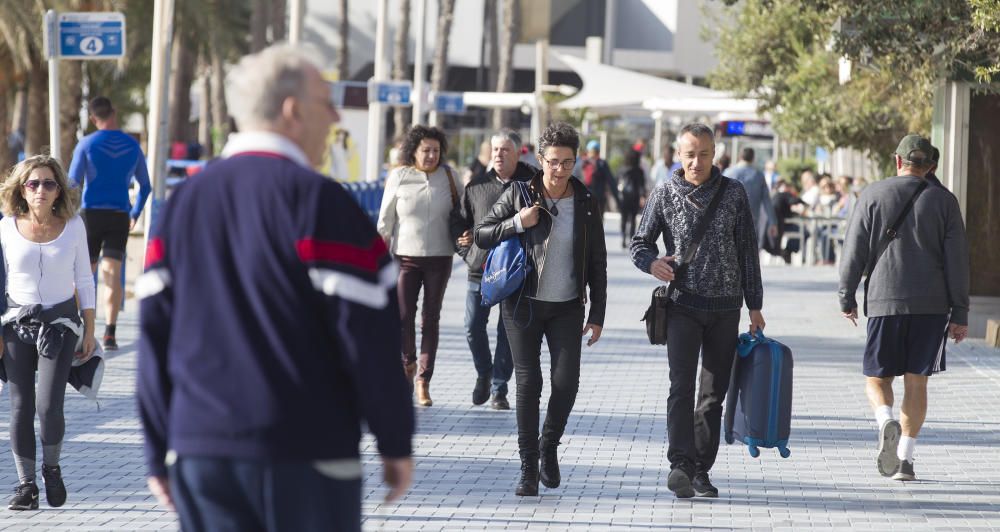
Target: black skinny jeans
[(561, 325), (693, 432)]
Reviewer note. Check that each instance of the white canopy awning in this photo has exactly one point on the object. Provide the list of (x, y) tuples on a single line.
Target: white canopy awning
[(612, 88), (701, 105)]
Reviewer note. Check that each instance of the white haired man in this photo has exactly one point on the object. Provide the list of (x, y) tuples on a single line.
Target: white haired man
[(270, 326)]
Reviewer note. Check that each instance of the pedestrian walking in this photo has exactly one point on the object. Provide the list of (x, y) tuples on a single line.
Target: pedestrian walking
[(631, 195), (665, 167), (758, 194), (493, 369), (907, 235), (596, 174), (563, 234), (105, 163), (415, 221), (269, 326), (46, 263), (723, 272)]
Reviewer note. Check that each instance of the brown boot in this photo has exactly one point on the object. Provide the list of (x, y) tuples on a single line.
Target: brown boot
[(410, 370), (424, 393)]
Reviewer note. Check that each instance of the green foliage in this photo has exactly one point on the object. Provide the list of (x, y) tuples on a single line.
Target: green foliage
[(791, 168)]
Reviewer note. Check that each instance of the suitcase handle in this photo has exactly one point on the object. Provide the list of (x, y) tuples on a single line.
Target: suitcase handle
[(746, 343)]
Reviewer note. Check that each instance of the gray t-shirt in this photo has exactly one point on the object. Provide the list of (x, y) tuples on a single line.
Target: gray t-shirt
[(556, 281)]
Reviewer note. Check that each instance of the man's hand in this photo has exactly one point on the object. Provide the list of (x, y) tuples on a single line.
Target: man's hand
[(131, 224), (160, 488), (853, 316), (957, 332), (529, 216), (465, 240), (398, 475), (756, 322), (595, 335), (662, 269)]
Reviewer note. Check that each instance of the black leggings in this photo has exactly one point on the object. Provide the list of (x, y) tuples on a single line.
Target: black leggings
[(561, 324), (20, 360)]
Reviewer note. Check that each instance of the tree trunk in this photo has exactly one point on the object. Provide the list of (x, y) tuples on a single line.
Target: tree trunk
[(490, 42), (204, 111), (343, 59), (37, 126), (259, 16), (401, 63), (279, 14), (220, 115), (505, 72), (181, 78), (19, 121), (70, 102), (439, 69), (6, 159)]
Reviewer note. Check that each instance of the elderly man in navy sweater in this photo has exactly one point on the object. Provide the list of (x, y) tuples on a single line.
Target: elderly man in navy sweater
[(269, 326)]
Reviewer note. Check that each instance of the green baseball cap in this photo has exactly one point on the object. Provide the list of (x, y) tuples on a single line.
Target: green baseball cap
[(915, 143)]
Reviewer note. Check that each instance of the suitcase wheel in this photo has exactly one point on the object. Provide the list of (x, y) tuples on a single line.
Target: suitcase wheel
[(754, 451), (784, 452)]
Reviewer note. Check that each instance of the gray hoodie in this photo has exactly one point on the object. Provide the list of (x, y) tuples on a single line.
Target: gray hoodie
[(925, 269)]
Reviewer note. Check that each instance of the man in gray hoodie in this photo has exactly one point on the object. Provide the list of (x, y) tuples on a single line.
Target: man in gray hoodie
[(916, 294)]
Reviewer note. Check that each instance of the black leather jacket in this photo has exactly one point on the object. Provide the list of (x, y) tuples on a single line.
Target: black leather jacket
[(590, 256)]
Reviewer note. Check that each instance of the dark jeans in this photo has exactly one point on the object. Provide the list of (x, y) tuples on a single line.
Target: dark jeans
[(431, 274), (560, 324), (500, 366), (225, 494), (628, 225), (693, 431)]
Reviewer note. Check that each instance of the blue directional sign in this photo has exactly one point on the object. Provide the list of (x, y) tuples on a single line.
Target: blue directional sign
[(390, 92), (91, 35), (449, 102)]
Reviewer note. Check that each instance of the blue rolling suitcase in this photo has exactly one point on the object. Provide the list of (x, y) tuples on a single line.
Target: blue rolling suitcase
[(759, 402)]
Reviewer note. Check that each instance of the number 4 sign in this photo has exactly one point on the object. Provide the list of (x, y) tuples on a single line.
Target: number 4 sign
[(91, 35)]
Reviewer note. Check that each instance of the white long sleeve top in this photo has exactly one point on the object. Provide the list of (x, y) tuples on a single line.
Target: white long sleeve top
[(415, 212), (48, 273)]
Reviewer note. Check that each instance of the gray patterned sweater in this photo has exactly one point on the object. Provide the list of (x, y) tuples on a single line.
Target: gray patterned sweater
[(726, 269)]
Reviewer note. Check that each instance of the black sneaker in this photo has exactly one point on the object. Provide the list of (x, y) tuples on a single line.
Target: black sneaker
[(703, 486), (549, 463), (886, 461), (25, 497), (109, 343), (680, 483), (55, 490), (499, 402), (481, 393), (905, 471)]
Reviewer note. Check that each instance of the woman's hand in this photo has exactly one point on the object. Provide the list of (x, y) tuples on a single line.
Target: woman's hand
[(89, 346)]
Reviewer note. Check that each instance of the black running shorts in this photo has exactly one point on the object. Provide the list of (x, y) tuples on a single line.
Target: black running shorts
[(107, 229)]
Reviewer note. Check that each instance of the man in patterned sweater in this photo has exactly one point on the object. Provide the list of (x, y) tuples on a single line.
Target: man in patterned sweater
[(705, 317)]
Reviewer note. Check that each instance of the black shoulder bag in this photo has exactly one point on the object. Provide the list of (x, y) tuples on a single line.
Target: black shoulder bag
[(659, 307), (890, 235)]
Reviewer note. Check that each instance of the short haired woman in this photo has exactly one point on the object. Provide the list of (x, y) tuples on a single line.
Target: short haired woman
[(563, 233), (414, 222), (47, 264)]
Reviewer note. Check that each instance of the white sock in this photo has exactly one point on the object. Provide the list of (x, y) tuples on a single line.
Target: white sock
[(906, 447), (882, 414)]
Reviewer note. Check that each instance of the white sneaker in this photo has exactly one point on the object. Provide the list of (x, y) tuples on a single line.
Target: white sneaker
[(888, 441)]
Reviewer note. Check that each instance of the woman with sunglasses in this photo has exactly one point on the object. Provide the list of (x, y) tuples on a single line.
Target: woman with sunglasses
[(563, 234), (47, 265)]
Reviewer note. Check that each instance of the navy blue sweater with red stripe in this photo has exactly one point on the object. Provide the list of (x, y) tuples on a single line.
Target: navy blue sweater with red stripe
[(269, 322)]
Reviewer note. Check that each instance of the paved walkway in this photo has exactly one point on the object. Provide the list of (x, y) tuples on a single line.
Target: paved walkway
[(614, 454)]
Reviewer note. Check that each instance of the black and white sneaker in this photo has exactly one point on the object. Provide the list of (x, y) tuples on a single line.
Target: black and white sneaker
[(888, 441), (703, 486), (905, 472), (25, 497), (680, 483), (55, 490)]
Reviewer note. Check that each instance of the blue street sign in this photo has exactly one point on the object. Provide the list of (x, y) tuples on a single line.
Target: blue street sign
[(91, 35), (390, 92), (449, 102)]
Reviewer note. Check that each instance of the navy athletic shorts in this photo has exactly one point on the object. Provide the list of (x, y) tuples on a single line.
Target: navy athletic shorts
[(908, 343)]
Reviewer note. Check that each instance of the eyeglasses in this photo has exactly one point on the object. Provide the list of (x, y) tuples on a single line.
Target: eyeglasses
[(48, 184), (565, 164)]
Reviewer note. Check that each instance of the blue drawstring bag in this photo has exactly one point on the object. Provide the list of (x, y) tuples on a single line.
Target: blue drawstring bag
[(506, 264)]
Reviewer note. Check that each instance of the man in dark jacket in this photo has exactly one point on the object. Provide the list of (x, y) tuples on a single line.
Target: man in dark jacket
[(723, 273), (916, 296), (494, 371), (596, 174), (270, 326)]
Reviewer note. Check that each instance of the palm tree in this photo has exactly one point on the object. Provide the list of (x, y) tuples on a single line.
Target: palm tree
[(439, 68), (401, 63), (509, 35), (343, 34)]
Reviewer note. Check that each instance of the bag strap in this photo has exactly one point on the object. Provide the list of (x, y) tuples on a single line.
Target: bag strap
[(701, 228), (451, 185), (890, 235)]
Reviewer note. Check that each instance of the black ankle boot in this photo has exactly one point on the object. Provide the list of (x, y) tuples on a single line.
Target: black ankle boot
[(549, 463), (528, 485)]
